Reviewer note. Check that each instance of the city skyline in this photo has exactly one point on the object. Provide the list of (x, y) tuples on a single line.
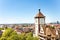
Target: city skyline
[(24, 11)]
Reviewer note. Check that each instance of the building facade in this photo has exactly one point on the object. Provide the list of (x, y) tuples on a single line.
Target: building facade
[(43, 31)]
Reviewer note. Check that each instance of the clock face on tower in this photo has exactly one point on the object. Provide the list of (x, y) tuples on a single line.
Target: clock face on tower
[(41, 20)]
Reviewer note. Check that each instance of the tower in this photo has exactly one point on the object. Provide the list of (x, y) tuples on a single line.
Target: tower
[(39, 22)]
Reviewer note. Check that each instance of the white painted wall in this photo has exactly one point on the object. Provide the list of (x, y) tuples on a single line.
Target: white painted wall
[(37, 27), (41, 30)]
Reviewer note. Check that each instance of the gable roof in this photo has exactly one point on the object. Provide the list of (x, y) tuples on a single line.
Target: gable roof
[(50, 31)]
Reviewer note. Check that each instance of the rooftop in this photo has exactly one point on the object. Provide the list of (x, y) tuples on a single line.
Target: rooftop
[(39, 15)]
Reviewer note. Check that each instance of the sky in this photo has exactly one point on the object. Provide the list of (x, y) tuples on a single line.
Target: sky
[(24, 11)]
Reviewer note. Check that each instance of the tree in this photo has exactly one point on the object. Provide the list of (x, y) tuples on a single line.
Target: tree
[(3, 38), (13, 37), (29, 38), (35, 38), (1, 28), (10, 34), (30, 34), (52, 27), (7, 32), (22, 36), (13, 33)]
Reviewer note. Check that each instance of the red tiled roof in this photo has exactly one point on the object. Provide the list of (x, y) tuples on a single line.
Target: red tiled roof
[(39, 15), (53, 31), (58, 26)]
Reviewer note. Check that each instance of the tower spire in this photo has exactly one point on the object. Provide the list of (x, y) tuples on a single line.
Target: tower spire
[(39, 10)]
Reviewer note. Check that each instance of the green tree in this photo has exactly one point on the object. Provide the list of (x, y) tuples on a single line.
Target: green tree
[(13, 37), (13, 33), (30, 34), (1, 28), (53, 27), (29, 38), (10, 34), (3, 38), (22, 36), (7, 32), (35, 38)]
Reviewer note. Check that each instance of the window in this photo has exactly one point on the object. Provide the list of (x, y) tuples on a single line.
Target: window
[(41, 20)]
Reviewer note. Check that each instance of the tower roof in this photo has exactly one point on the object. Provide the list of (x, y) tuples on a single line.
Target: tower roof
[(39, 15)]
